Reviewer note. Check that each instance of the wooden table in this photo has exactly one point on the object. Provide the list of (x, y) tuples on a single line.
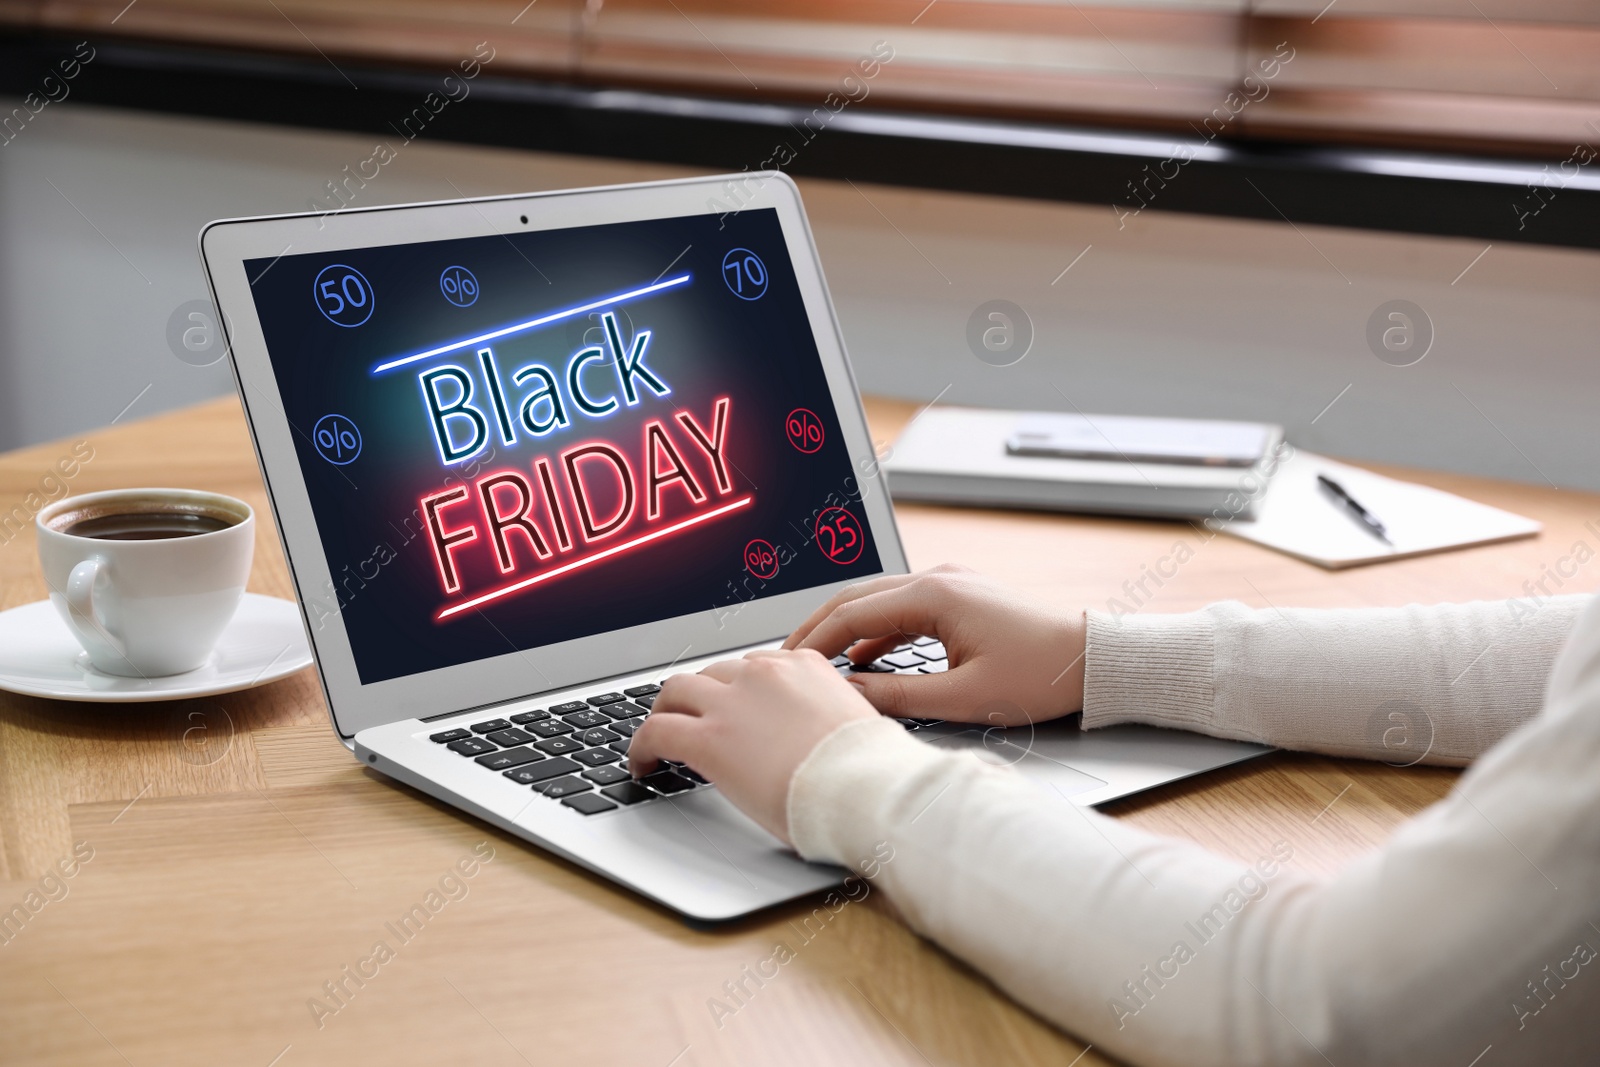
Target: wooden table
[(241, 858)]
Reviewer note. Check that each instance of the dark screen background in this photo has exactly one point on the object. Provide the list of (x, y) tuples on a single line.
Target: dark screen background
[(705, 342)]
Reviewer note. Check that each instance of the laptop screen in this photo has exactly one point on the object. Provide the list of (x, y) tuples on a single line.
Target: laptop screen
[(511, 441)]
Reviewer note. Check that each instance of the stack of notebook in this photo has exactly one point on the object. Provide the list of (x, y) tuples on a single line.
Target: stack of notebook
[(1238, 478), (1109, 464)]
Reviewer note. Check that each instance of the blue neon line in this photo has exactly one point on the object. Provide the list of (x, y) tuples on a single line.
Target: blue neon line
[(542, 320)]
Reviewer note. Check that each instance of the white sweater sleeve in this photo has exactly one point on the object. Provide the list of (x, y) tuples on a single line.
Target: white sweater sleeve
[(1406, 685), (1471, 928)]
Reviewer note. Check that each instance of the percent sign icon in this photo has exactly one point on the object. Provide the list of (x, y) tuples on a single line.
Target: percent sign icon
[(804, 429), (459, 286), (337, 439), (761, 559)]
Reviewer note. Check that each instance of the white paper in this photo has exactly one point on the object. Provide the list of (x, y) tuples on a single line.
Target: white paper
[(1300, 518)]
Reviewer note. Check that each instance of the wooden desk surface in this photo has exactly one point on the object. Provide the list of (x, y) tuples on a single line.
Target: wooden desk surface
[(237, 870)]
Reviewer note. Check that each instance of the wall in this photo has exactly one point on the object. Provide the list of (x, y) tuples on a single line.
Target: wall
[(1164, 314)]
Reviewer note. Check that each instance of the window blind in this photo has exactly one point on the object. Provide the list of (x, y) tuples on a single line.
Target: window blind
[(1519, 77)]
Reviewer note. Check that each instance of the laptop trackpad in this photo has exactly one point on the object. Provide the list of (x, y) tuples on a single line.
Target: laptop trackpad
[(1019, 748)]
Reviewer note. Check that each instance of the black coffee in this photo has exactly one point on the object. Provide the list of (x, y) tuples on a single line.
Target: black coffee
[(146, 525)]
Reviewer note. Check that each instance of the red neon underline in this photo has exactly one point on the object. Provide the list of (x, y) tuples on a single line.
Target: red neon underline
[(496, 594)]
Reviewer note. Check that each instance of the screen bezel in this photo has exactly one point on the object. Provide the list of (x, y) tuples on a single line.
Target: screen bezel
[(226, 245)]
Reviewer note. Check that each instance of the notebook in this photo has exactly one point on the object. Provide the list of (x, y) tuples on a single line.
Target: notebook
[(1295, 516), (957, 455)]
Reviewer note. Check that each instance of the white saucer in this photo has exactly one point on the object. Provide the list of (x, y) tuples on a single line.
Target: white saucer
[(40, 657)]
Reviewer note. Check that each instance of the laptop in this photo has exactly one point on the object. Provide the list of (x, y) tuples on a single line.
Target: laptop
[(529, 455)]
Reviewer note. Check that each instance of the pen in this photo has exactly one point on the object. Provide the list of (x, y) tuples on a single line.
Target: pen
[(1352, 505)]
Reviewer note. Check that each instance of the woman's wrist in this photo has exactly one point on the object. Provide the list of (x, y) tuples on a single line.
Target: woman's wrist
[(830, 808), (1067, 671), (1153, 669)]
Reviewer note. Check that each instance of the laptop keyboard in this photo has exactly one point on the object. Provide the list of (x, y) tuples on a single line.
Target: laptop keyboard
[(576, 752), (922, 655)]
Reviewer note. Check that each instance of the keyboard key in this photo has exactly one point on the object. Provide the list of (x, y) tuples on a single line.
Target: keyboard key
[(935, 668), (927, 722), (923, 642), (934, 652), (903, 661), (605, 698), (536, 715), (589, 804), (628, 793), (627, 726), (563, 787), (619, 746), (489, 727), (902, 647), (642, 690), (450, 735), (841, 660), (645, 702), (693, 775), (509, 738), (597, 757), (876, 667), (627, 709), (544, 770), (471, 746), (558, 746), (553, 728), (583, 720), (667, 782), (511, 757), (598, 736), (607, 775), (569, 706)]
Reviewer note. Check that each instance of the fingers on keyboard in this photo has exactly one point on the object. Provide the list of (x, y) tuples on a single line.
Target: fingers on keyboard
[(573, 751)]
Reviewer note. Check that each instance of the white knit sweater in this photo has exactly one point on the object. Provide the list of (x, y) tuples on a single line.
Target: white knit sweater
[(1476, 927)]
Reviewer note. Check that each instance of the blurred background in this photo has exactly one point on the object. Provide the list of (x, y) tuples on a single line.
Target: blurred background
[(1208, 207)]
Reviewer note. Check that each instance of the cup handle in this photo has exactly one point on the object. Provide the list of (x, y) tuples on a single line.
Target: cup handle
[(100, 642)]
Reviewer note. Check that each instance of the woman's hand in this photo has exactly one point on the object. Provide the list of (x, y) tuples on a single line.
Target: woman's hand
[(746, 724), (1011, 661)]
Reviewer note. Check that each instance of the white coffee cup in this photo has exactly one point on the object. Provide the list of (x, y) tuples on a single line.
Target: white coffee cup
[(145, 594)]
